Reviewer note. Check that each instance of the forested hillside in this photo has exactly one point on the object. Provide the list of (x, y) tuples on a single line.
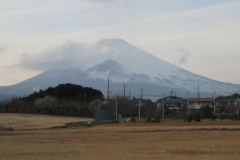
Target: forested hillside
[(67, 92), (65, 99)]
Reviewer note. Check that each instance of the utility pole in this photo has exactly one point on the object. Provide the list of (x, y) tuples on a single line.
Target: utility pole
[(238, 103), (139, 109), (124, 90), (142, 95), (108, 89), (198, 92), (214, 104), (187, 103), (124, 103), (85, 99), (116, 109), (142, 92), (163, 110)]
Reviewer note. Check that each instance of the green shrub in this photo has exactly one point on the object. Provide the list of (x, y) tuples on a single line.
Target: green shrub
[(189, 118), (197, 117), (132, 119), (213, 117), (237, 118), (221, 117), (148, 119), (157, 118)]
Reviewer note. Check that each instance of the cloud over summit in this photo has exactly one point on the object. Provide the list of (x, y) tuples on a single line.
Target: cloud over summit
[(53, 57)]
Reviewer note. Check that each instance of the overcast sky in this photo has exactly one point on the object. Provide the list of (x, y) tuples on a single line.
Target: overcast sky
[(201, 36)]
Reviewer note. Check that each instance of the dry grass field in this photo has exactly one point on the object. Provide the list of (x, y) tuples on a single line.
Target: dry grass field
[(31, 121), (167, 140)]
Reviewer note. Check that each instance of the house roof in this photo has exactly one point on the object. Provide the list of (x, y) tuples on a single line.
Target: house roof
[(200, 99), (172, 99), (39, 100), (146, 101), (231, 97)]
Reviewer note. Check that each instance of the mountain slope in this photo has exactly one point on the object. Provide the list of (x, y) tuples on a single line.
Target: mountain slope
[(140, 66)]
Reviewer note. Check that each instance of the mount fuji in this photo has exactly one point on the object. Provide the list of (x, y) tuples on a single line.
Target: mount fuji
[(122, 63)]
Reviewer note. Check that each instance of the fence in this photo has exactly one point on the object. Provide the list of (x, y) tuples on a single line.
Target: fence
[(102, 116)]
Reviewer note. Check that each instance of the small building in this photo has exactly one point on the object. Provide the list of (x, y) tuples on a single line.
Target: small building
[(228, 104), (195, 104), (38, 101), (172, 102), (46, 99), (143, 102)]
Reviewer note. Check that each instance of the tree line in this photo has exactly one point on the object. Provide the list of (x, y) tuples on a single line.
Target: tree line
[(65, 99), (67, 92)]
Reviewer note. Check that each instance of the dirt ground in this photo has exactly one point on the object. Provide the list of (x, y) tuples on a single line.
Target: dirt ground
[(167, 140)]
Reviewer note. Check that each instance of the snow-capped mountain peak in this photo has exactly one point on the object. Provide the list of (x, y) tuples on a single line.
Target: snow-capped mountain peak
[(123, 63)]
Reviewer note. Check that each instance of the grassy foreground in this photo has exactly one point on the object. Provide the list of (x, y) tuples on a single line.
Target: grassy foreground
[(168, 140)]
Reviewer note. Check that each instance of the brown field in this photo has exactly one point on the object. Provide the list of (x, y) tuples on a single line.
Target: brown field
[(31, 121), (167, 140)]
